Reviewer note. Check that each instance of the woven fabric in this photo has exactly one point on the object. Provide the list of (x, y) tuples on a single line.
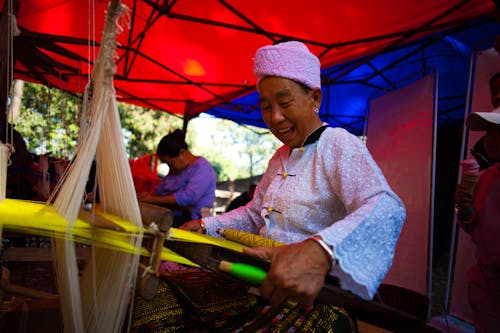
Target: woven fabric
[(212, 301), (319, 318), (162, 314), (205, 301)]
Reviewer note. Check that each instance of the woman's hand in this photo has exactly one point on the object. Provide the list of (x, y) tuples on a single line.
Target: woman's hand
[(296, 275), (144, 197), (194, 225), (464, 201), (463, 197)]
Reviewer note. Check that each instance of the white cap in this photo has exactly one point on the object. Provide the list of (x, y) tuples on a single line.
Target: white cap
[(477, 121)]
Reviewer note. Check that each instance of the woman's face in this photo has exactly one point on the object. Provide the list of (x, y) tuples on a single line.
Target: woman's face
[(492, 142), (175, 164), (288, 110)]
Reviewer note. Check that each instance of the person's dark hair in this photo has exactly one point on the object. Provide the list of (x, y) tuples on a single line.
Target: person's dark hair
[(495, 77), (305, 88), (172, 143)]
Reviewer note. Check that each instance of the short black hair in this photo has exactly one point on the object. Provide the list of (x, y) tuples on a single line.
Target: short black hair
[(172, 143), (493, 78)]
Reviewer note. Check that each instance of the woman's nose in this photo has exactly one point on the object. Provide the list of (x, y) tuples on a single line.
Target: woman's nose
[(276, 115)]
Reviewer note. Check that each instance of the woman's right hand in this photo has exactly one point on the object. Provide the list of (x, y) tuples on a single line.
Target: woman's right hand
[(193, 225), (464, 201), (463, 197)]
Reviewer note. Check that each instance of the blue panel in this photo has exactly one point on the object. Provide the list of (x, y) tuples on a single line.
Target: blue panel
[(348, 87)]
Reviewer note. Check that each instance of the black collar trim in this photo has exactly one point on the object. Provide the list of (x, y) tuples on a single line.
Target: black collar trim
[(314, 136)]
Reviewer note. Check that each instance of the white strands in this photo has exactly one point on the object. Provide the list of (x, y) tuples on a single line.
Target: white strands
[(7, 148), (67, 204), (16, 101), (66, 269), (108, 278), (84, 121), (44, 182), (4, 160), (117, 196), (70, 195)]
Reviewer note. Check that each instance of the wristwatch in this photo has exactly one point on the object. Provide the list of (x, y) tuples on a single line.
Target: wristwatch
[(464, 213), (202, 226)]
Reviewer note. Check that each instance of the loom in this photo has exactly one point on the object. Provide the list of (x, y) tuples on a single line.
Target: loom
[(97, 303), (115, 233)]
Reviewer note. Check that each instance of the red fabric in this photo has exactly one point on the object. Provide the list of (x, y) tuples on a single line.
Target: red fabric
[(145, 173), (484, 276), (192, 55)]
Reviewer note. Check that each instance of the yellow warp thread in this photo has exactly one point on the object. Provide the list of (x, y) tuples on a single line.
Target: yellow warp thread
[(249, 239), (38, 218), (196, 237)]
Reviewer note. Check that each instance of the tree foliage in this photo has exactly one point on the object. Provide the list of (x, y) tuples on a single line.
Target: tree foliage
[(235, 151), (49, 123), (144, 128)]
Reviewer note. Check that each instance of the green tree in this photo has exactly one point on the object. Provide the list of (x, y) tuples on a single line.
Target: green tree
[(256, 146), (144, 128), (235, 151), (49, 122)]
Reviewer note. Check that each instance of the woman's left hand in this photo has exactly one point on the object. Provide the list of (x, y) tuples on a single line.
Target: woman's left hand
[(296, 275), (144, 196), (193, 225)]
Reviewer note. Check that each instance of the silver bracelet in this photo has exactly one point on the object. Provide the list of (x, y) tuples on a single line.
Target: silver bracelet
[(327, 248)]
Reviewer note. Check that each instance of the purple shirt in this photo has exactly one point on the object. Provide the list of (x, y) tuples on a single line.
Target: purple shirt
[(193, 187)]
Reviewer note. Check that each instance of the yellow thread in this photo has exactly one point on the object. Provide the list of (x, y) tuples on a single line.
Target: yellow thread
[(249, 239)]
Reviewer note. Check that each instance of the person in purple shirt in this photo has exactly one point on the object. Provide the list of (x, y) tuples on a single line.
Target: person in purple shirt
[(190, 184)]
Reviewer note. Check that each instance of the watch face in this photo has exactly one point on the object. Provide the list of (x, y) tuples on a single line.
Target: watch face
[(464, 213)]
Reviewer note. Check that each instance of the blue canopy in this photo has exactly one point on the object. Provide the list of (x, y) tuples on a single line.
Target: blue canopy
[(348, 87)]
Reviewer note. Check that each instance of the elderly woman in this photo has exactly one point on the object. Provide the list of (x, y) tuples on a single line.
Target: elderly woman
[(322, 193)]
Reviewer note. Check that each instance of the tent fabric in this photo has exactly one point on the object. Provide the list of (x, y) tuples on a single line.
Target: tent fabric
[(187, 57), (345, 98)]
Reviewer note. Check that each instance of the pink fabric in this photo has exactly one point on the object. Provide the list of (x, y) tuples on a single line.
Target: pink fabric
[(484, 277), (291, 60), (470, 166)]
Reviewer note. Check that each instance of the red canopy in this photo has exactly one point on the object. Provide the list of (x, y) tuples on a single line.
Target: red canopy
[(184, 57)]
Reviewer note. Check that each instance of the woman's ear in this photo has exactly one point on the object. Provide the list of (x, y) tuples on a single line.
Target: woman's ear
[(316, 97)]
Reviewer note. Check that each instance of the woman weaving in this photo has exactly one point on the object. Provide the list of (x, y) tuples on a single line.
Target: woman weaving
[(322, 193)]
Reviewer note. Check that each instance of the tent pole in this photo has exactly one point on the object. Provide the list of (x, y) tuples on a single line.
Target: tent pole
[(187, 116), (6, 42)]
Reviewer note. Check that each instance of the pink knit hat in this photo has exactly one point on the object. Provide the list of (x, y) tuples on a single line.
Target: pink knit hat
[(290, 60)]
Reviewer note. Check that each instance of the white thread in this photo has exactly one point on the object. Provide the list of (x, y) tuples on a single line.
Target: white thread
[(153, 228), (147, 270)]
